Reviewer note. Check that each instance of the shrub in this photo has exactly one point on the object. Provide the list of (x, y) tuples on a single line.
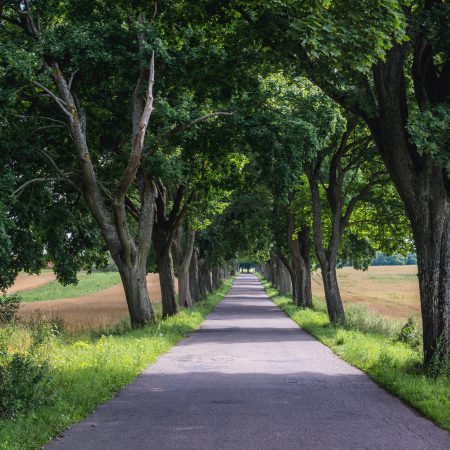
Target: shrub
[(9, 306), (22, 383), (410, 334), (359, 318), (42, 330)]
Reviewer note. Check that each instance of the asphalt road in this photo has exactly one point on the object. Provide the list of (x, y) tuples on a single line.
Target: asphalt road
[(251, 379)]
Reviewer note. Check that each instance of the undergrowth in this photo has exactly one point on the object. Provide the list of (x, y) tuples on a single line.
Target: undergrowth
[(389, 353), (80, 372)]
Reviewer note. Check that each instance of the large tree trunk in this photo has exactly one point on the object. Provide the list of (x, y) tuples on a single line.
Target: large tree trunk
[(273, 270), (215, 277), (184, 256), (424, 187), (167, 282), (208, 280), (184, 292), (304, 242), (300, 250), (194, 277), (327, 258), (202, 283), (134, 281), (332, 293)]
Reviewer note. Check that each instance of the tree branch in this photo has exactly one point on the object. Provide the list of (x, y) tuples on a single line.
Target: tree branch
[(183, 127), (21, 188), (60, 102)]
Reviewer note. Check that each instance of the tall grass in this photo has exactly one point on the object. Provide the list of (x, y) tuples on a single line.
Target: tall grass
[(88, 370), (371, 344)]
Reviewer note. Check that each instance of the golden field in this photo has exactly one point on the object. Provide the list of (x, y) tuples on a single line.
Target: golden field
[(389, 291)]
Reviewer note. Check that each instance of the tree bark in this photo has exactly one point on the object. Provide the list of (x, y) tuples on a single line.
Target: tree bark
[(215, 277), (184, 256), (332, 294), (134, 281), (208, 280), (202, 274), (194, 277), (424, 188), (327, 258), (129, 253), (299, 245), (167, 283)]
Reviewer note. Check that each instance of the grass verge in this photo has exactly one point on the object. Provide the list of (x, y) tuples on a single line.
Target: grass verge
[(371, 348), (87, 284), (88, 371)]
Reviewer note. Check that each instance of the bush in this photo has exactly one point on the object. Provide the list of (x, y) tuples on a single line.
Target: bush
[(9, 306), (22, 383), (410, 334)]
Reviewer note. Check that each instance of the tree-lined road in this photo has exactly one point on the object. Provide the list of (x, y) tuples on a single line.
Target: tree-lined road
[(251, 379)]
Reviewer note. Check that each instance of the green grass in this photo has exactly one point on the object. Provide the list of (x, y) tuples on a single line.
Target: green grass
[(88, 371), (368, 344), (87, 284)]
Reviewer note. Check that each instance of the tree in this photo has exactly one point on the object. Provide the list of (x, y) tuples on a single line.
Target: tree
[(388, 63), (405, 58)]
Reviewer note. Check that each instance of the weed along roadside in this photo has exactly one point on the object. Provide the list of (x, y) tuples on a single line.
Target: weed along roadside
[(66, 377), (372, 345)]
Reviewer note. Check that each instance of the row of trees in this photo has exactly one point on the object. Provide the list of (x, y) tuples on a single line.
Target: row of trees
[(197, 133)]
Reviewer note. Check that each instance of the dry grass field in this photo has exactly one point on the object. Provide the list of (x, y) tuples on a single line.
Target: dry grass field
[(91, 312), (25, 282), (390, 291)]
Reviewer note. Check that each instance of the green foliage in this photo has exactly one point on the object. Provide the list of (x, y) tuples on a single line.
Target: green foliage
[(357, 33), (23, 384), (9, 306), (428, 129), (410, 334), (393, 260)]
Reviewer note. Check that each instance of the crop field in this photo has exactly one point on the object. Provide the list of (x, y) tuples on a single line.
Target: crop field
[(389, 291), (96, 302)]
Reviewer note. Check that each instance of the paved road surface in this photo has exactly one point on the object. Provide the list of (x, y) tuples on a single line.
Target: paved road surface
[(251, 379)]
